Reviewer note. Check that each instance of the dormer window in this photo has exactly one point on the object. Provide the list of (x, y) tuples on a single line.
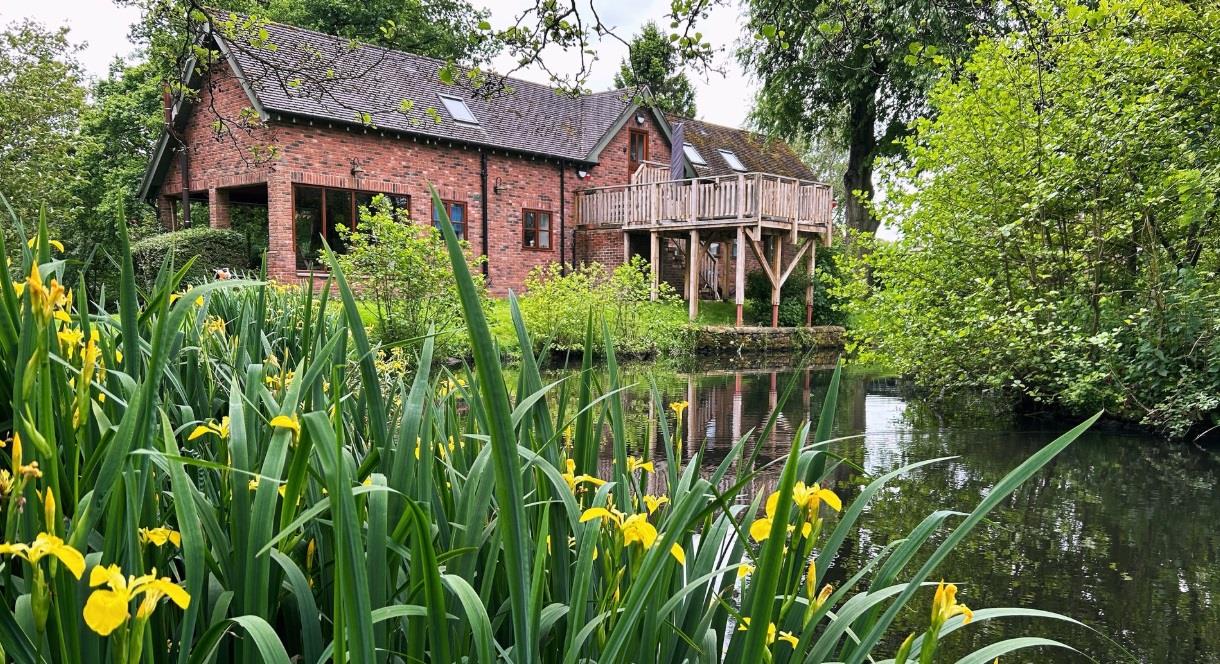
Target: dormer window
[(458, 110), (693, 155), (731, 159)]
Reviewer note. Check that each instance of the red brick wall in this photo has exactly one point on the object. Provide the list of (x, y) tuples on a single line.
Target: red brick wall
[(322, 154)]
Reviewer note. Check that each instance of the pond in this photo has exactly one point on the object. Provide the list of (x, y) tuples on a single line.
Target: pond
[(1119, 531)]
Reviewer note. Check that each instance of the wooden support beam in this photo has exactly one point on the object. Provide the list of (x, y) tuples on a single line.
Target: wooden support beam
[(777, 255), (796, 259), (722, 264), (654, 254), (626, 247), (739, 291), (760, 255), (694, 249), (813, 263)]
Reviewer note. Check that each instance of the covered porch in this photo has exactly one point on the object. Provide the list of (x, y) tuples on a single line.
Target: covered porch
[(713, 222)]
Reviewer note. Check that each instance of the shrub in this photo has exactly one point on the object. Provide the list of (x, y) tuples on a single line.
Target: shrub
[(827, 305), (213, 247), (403, 273), (556, 306)]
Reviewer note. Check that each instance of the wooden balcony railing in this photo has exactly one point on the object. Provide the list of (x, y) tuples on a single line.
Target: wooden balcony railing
[(729, 200)]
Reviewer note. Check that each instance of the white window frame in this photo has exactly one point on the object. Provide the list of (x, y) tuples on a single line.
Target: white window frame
[(455, 106), (733, 160), (692, 153)]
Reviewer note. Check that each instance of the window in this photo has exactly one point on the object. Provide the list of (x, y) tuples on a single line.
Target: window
[(637, 150), (458, 110), (318, 213), (734, 163), (693, 155), (536, 229), (457, 217)]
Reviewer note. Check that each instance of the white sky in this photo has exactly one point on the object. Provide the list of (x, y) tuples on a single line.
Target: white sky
[(726, 99)]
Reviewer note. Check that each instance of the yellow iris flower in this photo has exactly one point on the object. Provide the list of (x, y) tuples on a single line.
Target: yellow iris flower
[(808, 498), (287, 422), (573, 479), (679, 407), (107, 609), (653, 503), (635, 528), (772, 633), (55, 244), (220, 430), (634, 464), (46, 544), (159, 536), (945, 606)]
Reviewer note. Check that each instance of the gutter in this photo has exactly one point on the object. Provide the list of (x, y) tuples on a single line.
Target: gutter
[(483, 211), (563, 209)]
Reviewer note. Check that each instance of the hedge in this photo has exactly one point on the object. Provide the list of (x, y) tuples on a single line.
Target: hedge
[(215, 247)]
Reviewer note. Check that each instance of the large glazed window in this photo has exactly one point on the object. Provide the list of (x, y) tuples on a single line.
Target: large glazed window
[(319, 212), (457, 217)]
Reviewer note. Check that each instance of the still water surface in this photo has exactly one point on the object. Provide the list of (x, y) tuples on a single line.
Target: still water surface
[(1120, 531)]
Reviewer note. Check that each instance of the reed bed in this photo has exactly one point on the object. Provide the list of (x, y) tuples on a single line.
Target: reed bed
[(226, 472)]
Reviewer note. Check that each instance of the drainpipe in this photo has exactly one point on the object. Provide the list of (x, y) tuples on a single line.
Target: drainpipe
[(563, 208), (483, 210)]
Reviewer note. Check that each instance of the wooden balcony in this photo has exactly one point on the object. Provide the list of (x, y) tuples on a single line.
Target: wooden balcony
[(756, 212), (765, 201)]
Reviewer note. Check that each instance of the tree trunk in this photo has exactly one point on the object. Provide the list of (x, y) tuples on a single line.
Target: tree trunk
[(862, 144)]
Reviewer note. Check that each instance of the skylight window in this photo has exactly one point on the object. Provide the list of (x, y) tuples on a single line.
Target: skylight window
[(734, 163), (693, 155), (458, 110)]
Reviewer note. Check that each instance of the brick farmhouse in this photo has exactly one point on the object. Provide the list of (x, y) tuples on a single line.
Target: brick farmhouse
[(315, 126)]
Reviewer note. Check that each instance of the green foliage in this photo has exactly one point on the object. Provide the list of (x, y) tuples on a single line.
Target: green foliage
[(653, 60), (1059, 220), (41, 100), (556, 308), (828, 302), (213, 248), (401, 271), (858, 70)]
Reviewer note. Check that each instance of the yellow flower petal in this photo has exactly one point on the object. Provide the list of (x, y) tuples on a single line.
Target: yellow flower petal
[(597, 513), (678, 554), (106, 610), (760, 529)]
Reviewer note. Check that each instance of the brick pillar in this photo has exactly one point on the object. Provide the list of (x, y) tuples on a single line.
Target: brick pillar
[(218, 208), (281, 250)]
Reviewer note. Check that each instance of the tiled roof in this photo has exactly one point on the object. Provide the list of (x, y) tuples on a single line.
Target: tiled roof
[(401, 92), (756, 152)]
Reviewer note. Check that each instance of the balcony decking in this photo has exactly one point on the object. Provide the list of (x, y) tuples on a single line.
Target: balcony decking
[(762, 200), (761, 211)]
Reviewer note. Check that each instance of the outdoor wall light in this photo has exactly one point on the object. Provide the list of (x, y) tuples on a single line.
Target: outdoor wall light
[(582, 174), (499, 187), (639, 118)]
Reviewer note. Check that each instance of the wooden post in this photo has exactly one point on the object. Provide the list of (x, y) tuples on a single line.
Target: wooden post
[(655, 256), (626, 247), (776, 262), (722, 263), (739, 266), (692, 284), (809, 288)]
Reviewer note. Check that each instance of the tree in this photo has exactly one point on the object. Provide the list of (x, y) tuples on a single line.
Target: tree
[(41, 99), (1060, 227), (652, 60), (859, 68)]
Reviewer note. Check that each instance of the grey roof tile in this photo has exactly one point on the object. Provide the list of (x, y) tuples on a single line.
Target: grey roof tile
[(757, 152), (332, 78)]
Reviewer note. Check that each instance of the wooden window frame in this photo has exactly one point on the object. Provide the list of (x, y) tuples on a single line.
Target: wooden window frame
[(448, 202), (354, 212), (550, 214), (631, 134)]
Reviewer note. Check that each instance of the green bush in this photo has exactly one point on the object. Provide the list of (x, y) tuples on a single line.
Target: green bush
[(402, 272), (827, 305), (556, 307), (214, 247)]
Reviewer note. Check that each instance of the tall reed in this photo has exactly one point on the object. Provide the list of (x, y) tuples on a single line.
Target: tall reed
[(219, 472)]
